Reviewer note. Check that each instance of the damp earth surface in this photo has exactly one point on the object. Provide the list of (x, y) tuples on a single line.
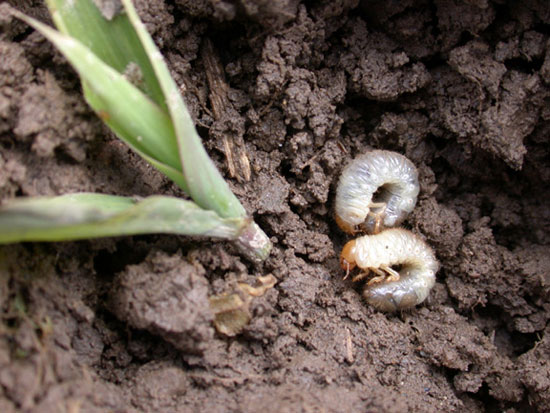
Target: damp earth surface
[(460, 87)]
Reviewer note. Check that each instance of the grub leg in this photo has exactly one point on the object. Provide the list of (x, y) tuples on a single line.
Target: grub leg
[(378, 215), (392, 274), (360, 276), (375, 280)]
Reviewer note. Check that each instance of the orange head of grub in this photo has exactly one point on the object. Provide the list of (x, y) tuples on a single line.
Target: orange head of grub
[(347, 257)]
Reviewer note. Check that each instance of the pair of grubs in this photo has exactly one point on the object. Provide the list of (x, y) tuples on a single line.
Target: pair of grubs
[(377, 190)]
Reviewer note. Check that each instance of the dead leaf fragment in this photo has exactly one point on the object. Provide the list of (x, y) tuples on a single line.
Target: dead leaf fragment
[(232, 311)]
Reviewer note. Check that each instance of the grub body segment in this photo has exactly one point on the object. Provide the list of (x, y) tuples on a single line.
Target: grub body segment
[(376, 178), (397, 248)]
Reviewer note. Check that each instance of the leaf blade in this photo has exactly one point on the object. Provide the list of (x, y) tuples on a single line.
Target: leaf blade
[(86, 215), (83, 20), (205, 183), (144, 126)]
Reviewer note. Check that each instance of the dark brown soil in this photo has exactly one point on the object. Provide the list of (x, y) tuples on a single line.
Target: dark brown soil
[(461, 87)]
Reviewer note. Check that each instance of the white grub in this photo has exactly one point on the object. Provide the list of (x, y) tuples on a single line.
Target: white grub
[(392, 290), (377, 189)]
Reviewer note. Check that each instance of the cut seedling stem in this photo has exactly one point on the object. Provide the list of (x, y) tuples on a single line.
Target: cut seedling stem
[(148, 113)]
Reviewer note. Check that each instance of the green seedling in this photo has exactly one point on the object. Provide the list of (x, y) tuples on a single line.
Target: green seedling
[(127, 83)]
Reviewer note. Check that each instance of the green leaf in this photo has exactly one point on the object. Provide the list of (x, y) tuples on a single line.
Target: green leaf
[(135, 118), (87, 215), (113, 41), (205, 184), (118, 43), (147, 112)]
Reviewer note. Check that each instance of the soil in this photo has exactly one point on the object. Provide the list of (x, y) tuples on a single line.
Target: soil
[(461, 87)]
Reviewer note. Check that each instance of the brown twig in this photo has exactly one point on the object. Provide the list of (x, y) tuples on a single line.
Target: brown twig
[(233, 143)]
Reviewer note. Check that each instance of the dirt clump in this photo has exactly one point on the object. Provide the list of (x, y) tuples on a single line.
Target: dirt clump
[(166, 296)]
